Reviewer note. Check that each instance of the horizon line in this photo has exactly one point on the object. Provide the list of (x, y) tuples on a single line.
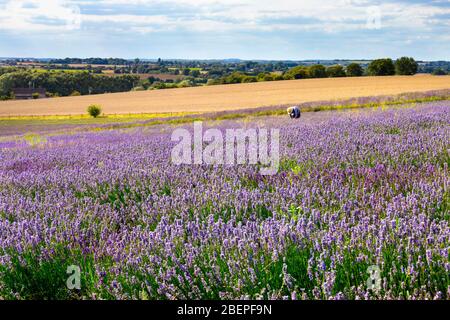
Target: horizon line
[(210, 59)]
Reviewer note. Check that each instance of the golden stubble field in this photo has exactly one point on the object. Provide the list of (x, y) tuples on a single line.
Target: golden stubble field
[(228, 97)]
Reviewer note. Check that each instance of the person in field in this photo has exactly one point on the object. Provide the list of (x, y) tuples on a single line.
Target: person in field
[(294, 112)]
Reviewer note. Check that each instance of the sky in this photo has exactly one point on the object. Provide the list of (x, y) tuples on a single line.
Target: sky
[(221, 29)]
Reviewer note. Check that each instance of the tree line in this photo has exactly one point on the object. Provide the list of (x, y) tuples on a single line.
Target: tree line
[(64, 83), (379, 67), (67, 83)]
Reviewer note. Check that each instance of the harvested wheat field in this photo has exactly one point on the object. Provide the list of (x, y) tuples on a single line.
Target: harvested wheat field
[(228, 97)]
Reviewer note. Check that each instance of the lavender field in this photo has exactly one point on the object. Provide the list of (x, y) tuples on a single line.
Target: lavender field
[(355, 188)]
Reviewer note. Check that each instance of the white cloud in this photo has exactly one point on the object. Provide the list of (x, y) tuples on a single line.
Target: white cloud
[(214, 15), (35, 15)]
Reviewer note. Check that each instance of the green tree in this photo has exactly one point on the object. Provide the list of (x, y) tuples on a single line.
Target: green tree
[(336, 71), (317, 71), (4, 70), (235, 77), (439, 72), (354, 70), (381, 67), (65, 83), (260, 76), (94, 110), (18, 79), (298, 72), (195, 73), (406, 66)]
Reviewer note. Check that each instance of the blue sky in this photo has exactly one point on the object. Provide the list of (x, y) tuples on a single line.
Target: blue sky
[(209, 29)]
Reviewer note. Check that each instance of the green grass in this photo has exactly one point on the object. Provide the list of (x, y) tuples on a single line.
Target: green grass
[(86, 119)]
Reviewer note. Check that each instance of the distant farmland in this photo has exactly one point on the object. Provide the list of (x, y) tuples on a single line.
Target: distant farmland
[(228, 97)]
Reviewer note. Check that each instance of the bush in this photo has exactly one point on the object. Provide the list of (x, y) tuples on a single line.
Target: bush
[(335, 71), (381, 67), (406, 66), (159, 85), (213, 82), (354, 70), (278, 77), (288, 76), (35, 95), (185, 84), (75, 93), (94, 110), (249, 79)]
